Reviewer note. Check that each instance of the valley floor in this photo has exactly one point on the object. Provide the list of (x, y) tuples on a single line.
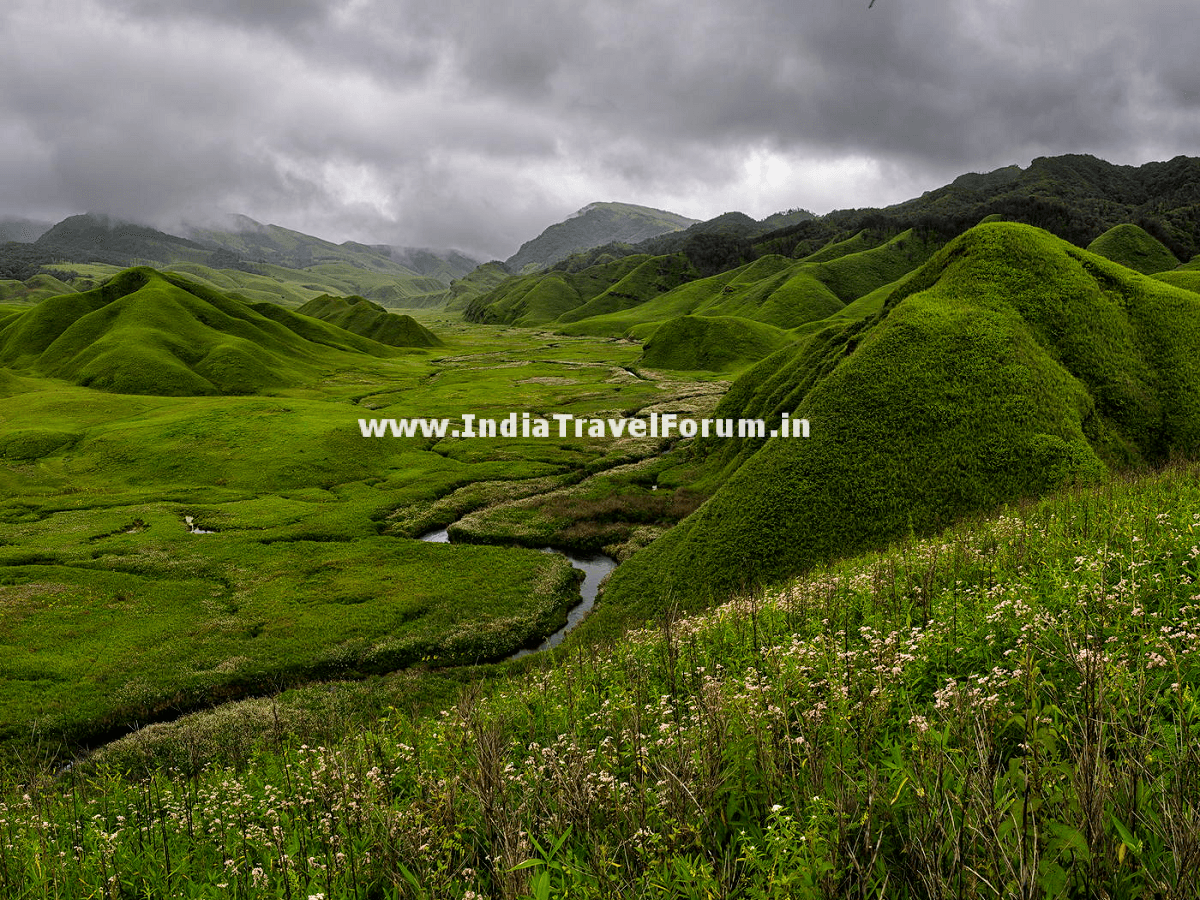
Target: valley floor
[(160, 554)]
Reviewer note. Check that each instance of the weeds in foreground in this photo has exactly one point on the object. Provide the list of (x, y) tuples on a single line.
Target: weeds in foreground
[(1008, 711)]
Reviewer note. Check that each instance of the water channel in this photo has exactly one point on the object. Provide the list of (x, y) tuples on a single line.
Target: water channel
[(594, 566)]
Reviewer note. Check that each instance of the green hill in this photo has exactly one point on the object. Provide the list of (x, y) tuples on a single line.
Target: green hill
[(773, 289), (541, 298), (1010, 364), (94, 238), (255, 242), (146, 332), (476, 283), (593, 226), (1188, 279), (654, 276), (715, 344), (31, 290), (362, 317), (1135, 249)]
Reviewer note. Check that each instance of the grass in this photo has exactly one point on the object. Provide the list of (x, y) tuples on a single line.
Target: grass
[(1135, 249), (114, 613), (1188, 279), (1010, 364), (32, 290), (145, 332), (370, 320), (1004, 710), (718, 343)]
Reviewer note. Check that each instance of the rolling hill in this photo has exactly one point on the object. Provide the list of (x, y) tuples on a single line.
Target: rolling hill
[(370, 320), (626, 295), (714, 344), (147, 332), (1010, 364), (1135, 249), (258, 262)]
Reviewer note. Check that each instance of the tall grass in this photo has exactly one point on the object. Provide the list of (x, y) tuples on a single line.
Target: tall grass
[(1009, 710)]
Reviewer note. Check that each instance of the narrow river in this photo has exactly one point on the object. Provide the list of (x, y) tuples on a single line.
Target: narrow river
[(594, 566)]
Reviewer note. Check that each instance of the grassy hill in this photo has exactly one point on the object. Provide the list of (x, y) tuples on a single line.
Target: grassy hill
[(1133, 248), (145, 332), (773, 289), (593, 226), (475, 283), (542, 298), (715, 344), (1008, 365), (362, 317), (93, 238), (31, 290)]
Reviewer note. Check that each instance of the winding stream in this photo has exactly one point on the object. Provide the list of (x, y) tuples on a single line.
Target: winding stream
[(594, 566)]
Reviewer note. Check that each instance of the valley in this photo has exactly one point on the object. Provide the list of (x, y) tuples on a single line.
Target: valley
[(301, 563), (945, 639)]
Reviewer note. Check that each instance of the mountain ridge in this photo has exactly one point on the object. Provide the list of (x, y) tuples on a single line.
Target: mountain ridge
[(594, 225)]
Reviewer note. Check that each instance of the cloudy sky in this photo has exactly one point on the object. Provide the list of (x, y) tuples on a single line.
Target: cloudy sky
[(472, 124)]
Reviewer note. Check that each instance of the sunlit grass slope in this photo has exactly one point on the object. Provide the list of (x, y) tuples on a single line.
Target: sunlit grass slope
[(1011, 363), (1135, 249), (145, 332), (362, 317)]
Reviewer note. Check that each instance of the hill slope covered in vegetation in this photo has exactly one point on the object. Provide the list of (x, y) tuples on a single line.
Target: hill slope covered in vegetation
[(370, 320), (145, 332), (1010, 364)]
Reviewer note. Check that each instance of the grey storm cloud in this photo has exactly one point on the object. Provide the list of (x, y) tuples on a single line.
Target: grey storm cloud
[(475, 125)]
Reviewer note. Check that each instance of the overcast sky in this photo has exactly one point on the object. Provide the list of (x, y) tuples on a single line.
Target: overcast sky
[(476, 124)]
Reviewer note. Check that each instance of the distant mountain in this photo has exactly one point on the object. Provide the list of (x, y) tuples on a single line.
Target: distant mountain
[(1075, 197), (275, 245), (594, 225), (23, 230), (252, 260), (444, 265), (96, 238)]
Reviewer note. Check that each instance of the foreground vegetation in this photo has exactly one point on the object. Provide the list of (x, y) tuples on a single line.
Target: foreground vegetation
[(1007, 710)]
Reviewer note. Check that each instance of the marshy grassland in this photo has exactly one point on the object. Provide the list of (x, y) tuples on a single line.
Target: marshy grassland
[(160, 554)]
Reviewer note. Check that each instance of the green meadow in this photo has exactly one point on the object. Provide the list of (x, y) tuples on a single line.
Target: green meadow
[(159, 554)]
